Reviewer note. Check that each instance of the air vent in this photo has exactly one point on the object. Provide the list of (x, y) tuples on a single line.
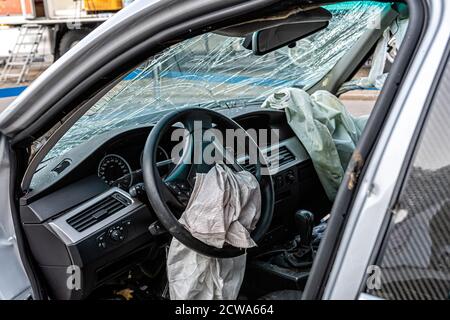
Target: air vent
[(286, 156), (279, 158), (98, 212)]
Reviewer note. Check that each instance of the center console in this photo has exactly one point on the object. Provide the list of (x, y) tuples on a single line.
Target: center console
[(82, 246)]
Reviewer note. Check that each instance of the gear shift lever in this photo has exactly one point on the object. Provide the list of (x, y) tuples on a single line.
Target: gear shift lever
[(301, 256), (304, 221)]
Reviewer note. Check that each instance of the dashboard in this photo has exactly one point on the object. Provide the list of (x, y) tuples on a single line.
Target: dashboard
[(90, 215)]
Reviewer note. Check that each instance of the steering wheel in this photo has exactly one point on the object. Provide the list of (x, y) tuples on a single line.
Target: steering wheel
[(167, 195)]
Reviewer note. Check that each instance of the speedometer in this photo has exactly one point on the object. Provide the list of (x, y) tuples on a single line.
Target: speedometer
[(114, 167)]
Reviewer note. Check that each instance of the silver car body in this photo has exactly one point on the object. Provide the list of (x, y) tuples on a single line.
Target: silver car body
[(14, 283)]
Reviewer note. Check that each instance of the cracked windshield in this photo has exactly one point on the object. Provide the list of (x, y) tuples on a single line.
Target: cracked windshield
[(216, 72)]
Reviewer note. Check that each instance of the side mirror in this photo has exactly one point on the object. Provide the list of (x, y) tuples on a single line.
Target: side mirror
[(291, 30)]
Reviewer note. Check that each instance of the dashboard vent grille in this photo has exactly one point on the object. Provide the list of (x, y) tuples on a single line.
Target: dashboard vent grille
[(98, 212), (285, 156)]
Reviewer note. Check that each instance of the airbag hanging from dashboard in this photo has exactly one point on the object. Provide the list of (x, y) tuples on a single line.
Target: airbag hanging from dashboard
[(223, 209), (325, 128)]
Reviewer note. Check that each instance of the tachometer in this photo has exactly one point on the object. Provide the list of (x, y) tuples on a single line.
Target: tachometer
[(113, 167)]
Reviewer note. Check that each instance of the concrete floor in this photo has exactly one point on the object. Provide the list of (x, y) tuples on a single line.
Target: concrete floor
[(34, 72), (359, 108), (4, 102), (355, 107), (360, 102)]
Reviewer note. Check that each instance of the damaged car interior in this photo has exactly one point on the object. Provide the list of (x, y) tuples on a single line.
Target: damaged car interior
[(101, 198)]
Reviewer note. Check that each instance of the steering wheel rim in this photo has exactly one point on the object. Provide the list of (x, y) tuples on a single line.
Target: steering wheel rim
[(157, 190)]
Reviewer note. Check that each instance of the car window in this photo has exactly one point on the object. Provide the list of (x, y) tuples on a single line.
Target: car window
[(216, 71), (365, 87), (415, 261)]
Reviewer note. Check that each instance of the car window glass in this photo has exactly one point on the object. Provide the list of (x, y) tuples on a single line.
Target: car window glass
[(217, 72), (415, 262)]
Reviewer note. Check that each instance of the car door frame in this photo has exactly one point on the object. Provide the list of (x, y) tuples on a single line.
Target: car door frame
[(101, 58), (372, 205)]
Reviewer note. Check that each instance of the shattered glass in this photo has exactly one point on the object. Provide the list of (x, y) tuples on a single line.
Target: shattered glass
[(216, 72)]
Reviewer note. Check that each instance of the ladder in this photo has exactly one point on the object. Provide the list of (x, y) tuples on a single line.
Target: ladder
[(23, 54)]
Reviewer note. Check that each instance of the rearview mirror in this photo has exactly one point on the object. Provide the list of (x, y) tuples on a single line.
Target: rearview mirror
[(291, 30)]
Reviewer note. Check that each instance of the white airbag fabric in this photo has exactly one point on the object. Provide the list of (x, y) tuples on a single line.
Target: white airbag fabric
[(223, 209), (325, 128)]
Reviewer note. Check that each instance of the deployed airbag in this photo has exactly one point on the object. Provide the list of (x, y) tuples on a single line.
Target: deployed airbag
[(325, 128), (223, 209)]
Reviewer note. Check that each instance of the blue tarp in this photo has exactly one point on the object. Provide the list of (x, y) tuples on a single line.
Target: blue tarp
[(11, 92)]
